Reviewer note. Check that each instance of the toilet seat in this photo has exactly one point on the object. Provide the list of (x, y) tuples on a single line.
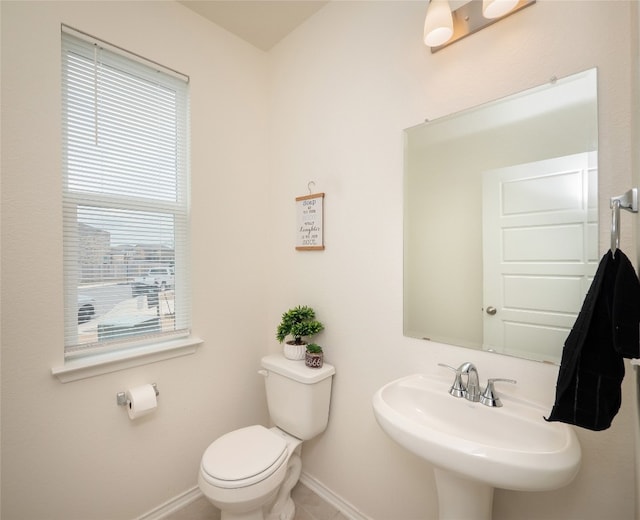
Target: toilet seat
[(243, 457)]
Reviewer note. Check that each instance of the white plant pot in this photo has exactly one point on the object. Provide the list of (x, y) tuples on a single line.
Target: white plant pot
[(295, 352)]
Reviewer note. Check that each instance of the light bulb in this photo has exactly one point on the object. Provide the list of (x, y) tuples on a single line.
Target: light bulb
[(438, 25), (497, 8)]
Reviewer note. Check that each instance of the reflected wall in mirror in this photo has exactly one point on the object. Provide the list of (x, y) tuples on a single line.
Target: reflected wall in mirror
[(500, 223)]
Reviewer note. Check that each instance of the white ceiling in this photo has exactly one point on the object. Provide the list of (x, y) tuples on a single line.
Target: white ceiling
[(262, 23)]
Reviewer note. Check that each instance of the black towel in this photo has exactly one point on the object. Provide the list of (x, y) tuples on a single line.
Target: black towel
[(588, 392)]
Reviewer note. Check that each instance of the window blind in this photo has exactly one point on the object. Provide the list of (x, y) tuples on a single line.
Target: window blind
[(125, 198)]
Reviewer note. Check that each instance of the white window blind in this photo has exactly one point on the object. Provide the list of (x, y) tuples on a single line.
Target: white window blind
[(126, 207)]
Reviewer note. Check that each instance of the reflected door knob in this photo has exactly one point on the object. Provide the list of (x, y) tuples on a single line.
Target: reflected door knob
[(491, 310)]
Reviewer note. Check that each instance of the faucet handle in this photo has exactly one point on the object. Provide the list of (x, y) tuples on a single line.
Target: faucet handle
[(457, 389), (489, 397)]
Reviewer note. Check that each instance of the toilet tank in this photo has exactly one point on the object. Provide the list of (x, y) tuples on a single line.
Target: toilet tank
[(297, 396)]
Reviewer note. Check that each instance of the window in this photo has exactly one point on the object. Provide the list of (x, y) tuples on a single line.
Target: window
[(126, 212)]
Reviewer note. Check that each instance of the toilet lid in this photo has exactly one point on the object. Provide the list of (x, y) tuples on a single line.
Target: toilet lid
[(245, 453)]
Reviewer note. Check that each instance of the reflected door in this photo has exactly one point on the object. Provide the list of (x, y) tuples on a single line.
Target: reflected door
[(539, 252)]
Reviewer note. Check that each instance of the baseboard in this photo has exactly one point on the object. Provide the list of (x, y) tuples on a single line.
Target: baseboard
[(172, 505), (329, 496), (191, 495)]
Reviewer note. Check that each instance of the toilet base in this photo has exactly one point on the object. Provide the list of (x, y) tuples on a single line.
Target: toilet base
[(283, 508), (280, 508)]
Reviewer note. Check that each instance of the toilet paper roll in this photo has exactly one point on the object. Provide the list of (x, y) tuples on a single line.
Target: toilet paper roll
[(141, 401)]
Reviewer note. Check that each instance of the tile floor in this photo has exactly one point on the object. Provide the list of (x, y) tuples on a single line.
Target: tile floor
[(309, 506)]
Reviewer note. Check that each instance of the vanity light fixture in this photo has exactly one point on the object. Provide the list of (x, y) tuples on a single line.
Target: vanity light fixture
[(442, 26)]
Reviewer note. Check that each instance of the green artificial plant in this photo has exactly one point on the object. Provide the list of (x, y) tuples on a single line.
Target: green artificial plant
[(298, 322), (312, 348)]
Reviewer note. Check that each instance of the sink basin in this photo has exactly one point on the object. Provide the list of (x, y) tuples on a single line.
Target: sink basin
[(511, 447)]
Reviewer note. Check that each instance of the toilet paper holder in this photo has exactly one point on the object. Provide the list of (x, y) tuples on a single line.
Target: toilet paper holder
[(121, 397)]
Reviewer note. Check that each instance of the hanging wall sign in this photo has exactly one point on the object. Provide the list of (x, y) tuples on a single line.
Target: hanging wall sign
[(309, 234)]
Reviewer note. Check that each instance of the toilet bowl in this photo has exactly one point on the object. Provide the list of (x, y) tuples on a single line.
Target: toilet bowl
[(249, 473)]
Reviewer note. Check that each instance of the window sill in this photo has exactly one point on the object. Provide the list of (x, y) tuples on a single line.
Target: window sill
[(114, 361)]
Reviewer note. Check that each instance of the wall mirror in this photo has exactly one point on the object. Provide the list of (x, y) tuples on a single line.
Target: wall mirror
[(500, 220)]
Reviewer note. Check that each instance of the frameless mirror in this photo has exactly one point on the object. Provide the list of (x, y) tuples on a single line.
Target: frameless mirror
[(500, 220)]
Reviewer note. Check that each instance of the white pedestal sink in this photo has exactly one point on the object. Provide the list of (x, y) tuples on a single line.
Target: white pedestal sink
[(476, 448)]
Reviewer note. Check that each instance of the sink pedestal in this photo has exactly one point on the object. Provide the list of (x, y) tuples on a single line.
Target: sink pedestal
[(462, 498)]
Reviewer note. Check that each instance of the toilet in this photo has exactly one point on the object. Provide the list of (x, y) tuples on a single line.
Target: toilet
[(249, 473)]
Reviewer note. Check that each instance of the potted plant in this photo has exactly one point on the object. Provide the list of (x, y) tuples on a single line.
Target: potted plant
[(299, 322), (313, 356)]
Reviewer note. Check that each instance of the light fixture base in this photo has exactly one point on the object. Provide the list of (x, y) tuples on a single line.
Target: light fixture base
[(468, 19)]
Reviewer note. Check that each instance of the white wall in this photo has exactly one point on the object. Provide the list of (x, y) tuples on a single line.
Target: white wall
[(343, 88), (635, 161), (68, 451), (336, 95)]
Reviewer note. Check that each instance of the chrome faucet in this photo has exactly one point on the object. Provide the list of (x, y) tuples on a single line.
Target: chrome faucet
[(473, 383), (471, 390)]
